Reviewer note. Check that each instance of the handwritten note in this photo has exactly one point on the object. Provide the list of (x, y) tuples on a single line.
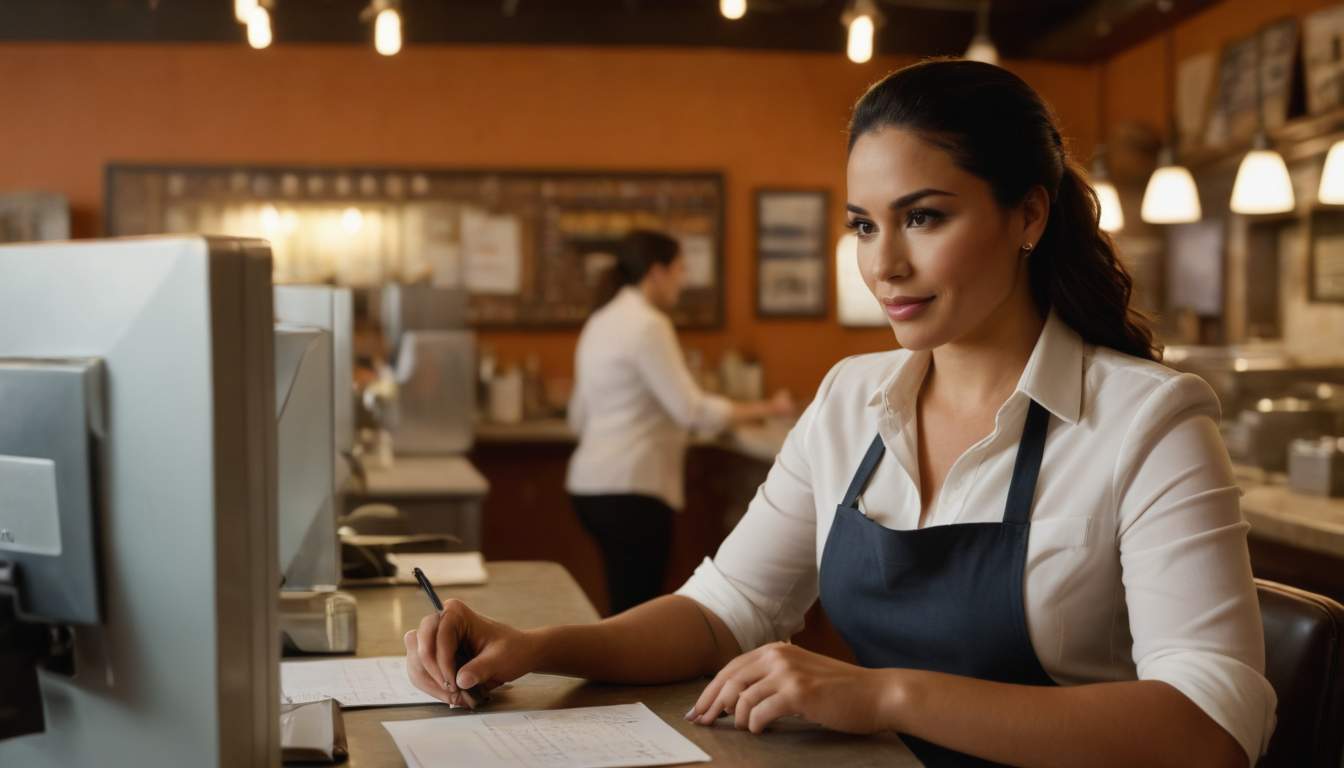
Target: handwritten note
[(588, 737), (379, 681)]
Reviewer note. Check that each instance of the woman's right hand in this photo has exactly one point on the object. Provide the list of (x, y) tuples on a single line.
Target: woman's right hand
[(502, 653)]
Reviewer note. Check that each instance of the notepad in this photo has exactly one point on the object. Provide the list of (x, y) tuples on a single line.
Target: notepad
[(443, 569), (587, 737), (378, 681)]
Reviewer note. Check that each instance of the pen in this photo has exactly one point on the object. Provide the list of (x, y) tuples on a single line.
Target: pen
[(475, 696)]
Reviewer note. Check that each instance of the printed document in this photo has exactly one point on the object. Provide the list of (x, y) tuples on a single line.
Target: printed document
[(378, 681), (587, 737)]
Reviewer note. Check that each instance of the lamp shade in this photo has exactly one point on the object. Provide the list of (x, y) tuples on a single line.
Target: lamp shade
[(1171, 197), (1262, 184), (982, 49), (1112, 217), (1332, 176), (860, 46), (733, 9)]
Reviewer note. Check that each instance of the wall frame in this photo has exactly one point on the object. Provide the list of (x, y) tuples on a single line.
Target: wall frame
[(792, 252), (529, 247), (1325, 275)]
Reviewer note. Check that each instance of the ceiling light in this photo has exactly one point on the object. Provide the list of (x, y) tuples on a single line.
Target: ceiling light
[(982, 48), (242, 9), (733, 9), (1332, 176), (387, 32), (258, 28), (1111, 218), (1263, 184), (861, 18), (1171, 196)]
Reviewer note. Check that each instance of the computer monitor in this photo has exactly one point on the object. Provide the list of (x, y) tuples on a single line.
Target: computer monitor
[(179, 662), (331, 309)]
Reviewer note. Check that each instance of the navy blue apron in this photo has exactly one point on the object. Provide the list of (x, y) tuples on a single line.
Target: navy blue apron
[(946, 598)]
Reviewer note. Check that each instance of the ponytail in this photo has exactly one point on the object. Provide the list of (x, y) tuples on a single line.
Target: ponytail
[(635, 256)]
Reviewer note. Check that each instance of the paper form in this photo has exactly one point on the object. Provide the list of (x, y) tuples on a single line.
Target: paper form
[(380, 681), (587, 737)]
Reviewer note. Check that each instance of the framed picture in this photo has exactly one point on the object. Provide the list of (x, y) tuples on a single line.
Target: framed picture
[(1326, 279), (1322, 40), (791, 253)]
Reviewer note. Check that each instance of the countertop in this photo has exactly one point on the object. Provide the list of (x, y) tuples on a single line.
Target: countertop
[(532, 594), (760, 441)]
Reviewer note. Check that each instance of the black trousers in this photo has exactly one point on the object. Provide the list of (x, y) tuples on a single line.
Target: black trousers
[(634, 533)]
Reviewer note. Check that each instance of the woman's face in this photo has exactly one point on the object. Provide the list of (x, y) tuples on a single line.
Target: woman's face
[(935, 247)]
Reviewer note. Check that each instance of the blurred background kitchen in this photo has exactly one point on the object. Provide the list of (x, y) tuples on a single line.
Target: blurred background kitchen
[(467, 169)]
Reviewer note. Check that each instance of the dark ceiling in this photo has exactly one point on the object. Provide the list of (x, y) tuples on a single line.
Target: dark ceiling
[(1078, 30)]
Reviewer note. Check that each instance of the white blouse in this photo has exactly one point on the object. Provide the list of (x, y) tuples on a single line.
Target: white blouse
[(1137, 565), (633, 402)]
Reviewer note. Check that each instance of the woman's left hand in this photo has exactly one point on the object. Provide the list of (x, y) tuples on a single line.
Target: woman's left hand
[(780, 679)]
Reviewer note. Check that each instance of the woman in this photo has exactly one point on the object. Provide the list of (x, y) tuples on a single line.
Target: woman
[(634, 399), (1025, 528)]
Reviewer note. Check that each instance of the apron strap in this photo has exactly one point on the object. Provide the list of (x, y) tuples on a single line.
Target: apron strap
[(865, 473), (1022, 490)]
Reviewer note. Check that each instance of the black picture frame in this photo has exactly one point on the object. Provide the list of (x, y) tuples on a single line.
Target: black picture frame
[(793, 246)]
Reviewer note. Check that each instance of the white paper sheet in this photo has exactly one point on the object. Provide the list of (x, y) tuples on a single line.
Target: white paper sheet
[(379, 681), (587, 737), (443, 569)]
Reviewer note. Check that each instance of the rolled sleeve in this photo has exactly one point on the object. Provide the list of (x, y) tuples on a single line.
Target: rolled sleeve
[(1193, 611)]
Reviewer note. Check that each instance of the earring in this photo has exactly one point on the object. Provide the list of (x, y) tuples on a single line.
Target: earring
[(1027, 247)]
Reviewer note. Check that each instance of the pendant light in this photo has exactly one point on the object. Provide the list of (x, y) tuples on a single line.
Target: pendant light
[(386, 25), (1332, 176), (862, 19), (982, 48), (1171, 196), (1263, 184), (1112, 218), (259, 28), (733, 9)]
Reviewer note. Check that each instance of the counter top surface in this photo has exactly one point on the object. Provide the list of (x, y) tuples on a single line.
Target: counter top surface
[(425, 475), (532, 594), (1277, 513), (761, 441)]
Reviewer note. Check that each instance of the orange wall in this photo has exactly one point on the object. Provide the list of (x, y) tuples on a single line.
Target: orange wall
[(766, 119)]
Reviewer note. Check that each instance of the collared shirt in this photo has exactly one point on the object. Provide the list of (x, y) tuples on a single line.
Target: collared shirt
[(1137, 566), (633, 402)]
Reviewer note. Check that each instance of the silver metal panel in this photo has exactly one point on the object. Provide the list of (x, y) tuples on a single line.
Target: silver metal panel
[(309, 551), (184, 328), (332, 310), (435, 371)]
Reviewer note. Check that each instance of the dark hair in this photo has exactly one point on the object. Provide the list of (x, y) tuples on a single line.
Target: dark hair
[(635, 256), (995, 126)]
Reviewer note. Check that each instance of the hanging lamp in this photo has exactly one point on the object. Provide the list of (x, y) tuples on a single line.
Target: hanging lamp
[(1112, 217), (862, 20), (982, 48), (1171, 196), (1263, 184), (1331, 191)]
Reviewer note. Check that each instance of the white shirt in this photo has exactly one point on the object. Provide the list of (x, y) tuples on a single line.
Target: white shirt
[(633, 402), (1136, 567)]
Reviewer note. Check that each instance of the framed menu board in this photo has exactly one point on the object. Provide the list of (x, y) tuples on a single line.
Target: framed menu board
[(530, 248)]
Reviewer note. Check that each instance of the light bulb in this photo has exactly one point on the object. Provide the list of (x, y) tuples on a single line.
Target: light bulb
[(860, 48), (352, 220), (242, 9), (1171, 196), (733, 9), (387, 32), (270, 218), (258, 28), (1262, 184), (982, 49), (855, 305), (1112, 217), (1332, 176)]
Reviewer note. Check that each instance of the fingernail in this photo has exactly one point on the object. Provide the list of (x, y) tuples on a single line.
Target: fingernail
[(690, 715), (466, 681)]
